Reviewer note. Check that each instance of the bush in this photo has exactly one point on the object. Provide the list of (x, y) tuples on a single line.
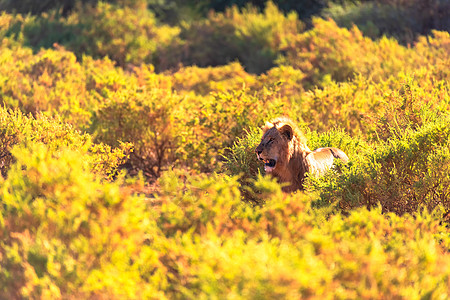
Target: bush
[(290, 240), (290, 84), (49, 81), (147, 118), (195, 229), (203, 81), (433, 51), (15, 128), (247, 36), (211, 225), (327, 52), (358, 104), (341, 105), (242, 161), (193, 204), (407, 172), (126, 35), (34, 7), (376, 20), (403, 20), (62, 227), (224, 118), (53, 81)]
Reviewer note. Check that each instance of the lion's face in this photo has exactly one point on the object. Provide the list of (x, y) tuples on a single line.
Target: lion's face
[(274, 148)]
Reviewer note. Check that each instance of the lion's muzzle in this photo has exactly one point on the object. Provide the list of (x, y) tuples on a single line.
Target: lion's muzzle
[(269, 164)]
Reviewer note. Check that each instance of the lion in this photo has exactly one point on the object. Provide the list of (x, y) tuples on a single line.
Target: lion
[(286, 156)]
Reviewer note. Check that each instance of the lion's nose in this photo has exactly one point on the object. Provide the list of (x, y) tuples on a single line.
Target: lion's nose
[(258, 151)]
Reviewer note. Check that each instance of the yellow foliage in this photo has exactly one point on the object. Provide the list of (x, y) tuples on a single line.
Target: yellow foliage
[(128, 168)]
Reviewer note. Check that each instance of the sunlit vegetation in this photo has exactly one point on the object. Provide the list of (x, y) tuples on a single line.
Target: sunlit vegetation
[(127, 137)]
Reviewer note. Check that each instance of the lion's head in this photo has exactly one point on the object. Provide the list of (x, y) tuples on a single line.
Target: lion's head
[(281, 138)]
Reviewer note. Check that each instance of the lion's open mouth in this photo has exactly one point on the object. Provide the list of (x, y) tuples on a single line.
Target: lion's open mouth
[(269, 164)]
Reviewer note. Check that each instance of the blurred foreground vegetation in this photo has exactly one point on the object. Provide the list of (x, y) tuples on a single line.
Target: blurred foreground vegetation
[(127, 161)]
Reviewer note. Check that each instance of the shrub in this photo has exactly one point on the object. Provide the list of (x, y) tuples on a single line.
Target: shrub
[(252, 38), (52, 81), (203, 81), (290, 240), (290, 81), (406, 172), (408, 133), (43, 31), (305, 9), (433, 53), (126, 35), (242, 158), (195, 203), (147, 118), (353, 146), (341, 105), (195, 230), (15, 128), (49, 81), (328, 52), (218, 122), (62, 227), (242, 161), (357, 105), (376, 20), (403, 20)]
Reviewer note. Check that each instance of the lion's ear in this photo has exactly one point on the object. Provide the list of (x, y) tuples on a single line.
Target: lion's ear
[(287, 131)]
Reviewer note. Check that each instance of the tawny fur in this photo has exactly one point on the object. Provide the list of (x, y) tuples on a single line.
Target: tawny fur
[(283, 143)]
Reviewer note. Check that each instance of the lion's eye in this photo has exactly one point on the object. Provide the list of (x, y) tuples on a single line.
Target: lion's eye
[(270, 141)]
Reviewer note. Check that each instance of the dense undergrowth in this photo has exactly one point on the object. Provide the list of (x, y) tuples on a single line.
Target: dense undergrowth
[(128, 168)]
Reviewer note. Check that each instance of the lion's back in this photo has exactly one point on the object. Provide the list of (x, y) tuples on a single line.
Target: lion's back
[(321, 160)]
